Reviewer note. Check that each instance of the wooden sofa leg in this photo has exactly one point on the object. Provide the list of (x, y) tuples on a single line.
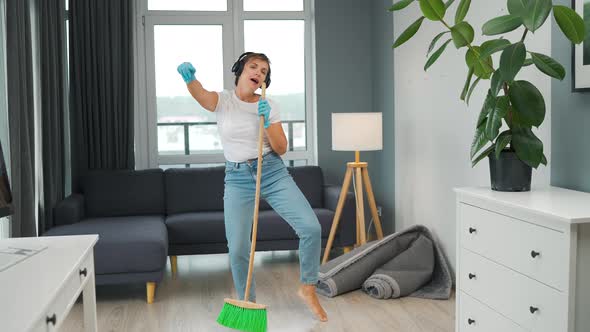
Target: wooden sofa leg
[(151, 291), (347, 249), (173, 265)]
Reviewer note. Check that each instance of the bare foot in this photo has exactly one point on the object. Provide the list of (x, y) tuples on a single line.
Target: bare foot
[(308, 295)]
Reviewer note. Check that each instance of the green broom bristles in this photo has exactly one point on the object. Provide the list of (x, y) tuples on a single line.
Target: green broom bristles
[(235, 317)]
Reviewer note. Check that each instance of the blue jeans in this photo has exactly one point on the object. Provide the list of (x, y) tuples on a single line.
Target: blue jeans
[(282, 194)]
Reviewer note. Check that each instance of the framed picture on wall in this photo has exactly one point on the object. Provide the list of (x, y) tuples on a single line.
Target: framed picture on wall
[(581, 52)]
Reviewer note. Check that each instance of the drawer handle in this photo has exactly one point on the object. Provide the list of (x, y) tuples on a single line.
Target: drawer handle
[(471, 275), (533, 309), (472, 230), (470, 321), (83, 272), (535, 253), (52, 320)]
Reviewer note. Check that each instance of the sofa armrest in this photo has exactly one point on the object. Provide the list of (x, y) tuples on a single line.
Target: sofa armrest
[(70, 210), (346, 233)]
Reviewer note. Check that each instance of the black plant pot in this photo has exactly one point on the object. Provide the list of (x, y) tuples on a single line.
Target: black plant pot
[(508, 173)]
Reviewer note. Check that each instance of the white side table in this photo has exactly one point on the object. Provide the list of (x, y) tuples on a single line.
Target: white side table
[(38, 292)]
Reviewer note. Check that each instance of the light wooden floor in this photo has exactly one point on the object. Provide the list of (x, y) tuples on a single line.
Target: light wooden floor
[(192, 301)]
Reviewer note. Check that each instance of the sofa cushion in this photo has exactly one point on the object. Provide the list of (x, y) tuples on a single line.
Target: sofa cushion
[(196, 227), (310, 181), (209, 227), (123, 193), (194, 189), (272, 227), (125, 244)]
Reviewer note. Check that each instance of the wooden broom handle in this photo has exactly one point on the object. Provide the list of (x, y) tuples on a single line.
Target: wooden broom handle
[(256, 200)]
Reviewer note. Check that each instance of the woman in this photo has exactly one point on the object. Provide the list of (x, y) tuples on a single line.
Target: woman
[(238, 112)]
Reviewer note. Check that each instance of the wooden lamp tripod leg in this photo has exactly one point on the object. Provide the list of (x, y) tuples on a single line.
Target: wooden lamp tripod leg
[(336, 219), (360, 208), (372, 204)]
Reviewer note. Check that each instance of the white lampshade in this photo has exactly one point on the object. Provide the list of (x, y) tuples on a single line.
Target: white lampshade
[(357, 131)]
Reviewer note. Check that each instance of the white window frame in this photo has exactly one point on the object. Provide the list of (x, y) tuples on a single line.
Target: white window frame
[(232, 20)]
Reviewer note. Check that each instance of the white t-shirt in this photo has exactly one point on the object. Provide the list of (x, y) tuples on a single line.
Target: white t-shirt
[(237, 122)]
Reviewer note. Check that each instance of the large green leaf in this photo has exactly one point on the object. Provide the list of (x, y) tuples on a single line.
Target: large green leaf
[(512, 60), (433, 42), (501, 25), (570, 23), (400, 5), (496, 83), (548, 65), (535, 13), (408, 33), (495, 117), (492, 46), (467, 83), (471, 90), (517, 7), (488, 105), (527, 102), (462, 10), (436, 55), (462, 34), (503, 139), (433, 10), (479, 140), (484, 154), (483, 68), (528, 147)]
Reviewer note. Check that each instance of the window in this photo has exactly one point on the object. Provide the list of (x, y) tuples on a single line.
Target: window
[(184, 127), (184, 5), (284, 44), (273, 5), (172, 129)]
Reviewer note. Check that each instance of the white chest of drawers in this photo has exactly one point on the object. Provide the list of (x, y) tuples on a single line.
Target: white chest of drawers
[(523, 260)]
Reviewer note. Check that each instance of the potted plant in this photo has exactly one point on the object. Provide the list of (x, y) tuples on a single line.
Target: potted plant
[(517, 104)]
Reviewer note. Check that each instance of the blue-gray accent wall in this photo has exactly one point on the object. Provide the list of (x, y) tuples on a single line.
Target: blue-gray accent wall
[(382, 169), (354, 73), (570, 121)]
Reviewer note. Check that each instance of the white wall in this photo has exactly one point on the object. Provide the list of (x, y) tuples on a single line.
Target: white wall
[(434, 128)]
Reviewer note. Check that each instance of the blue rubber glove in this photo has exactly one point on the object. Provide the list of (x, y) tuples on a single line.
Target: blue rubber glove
[(187, 71), (264, 110)]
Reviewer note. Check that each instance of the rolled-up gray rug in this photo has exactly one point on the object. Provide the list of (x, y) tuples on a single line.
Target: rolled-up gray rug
[(405, 273), (349, 271)]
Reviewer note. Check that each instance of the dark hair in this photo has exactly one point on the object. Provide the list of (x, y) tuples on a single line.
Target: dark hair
[(238, 66)]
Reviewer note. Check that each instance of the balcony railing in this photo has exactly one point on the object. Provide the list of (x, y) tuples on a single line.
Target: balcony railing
[(187, 125)]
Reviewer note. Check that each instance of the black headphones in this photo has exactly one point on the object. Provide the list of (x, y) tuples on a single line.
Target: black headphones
[(238, 66)]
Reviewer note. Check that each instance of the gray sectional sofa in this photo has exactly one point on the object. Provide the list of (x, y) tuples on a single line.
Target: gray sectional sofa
[(144, 216)]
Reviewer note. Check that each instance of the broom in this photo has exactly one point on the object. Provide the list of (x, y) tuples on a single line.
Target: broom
[(246, 315)]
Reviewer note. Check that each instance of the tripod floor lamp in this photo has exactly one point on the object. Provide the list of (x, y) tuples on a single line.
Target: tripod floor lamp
[(356, 132)]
